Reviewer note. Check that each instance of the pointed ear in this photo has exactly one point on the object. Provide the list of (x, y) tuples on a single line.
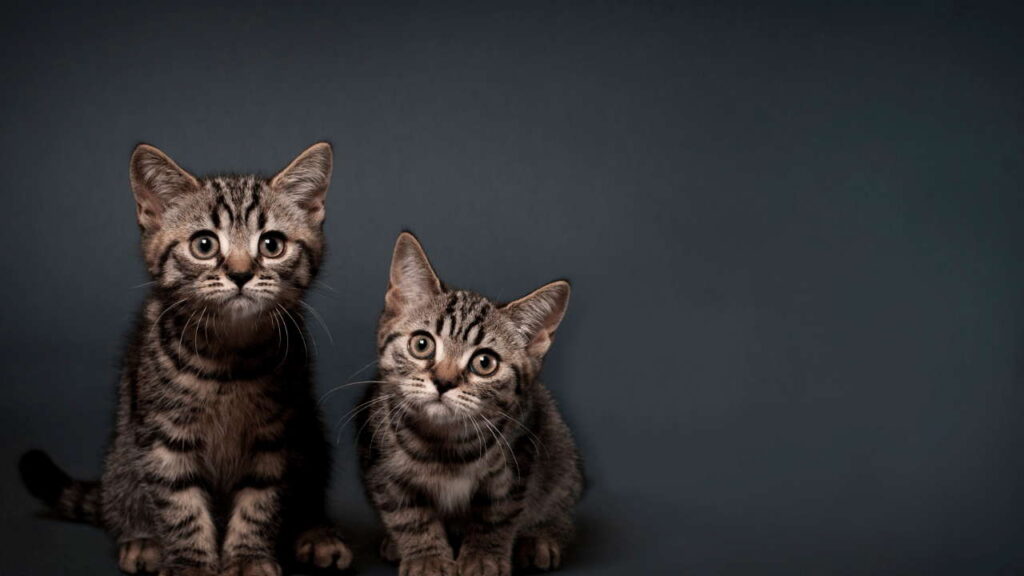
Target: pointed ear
[(306, 179), (539, 313), (156, 182), (412, 278)]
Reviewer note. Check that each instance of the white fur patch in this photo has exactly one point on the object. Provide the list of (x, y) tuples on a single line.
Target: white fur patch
[(451, 493), (172, 464)]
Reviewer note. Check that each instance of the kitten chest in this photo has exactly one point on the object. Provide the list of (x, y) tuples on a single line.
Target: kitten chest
[(450, 489), (231, 420)]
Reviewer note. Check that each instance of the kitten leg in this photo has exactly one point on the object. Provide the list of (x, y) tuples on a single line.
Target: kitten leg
[(251, 535), (417, 532), (487, 549), (127, 510), (487, 546), (181, 507), (323, 547)]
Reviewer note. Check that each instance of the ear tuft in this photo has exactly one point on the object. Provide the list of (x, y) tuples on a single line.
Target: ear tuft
[(412, 279), (156, 181), (539, 313), (306, 179)]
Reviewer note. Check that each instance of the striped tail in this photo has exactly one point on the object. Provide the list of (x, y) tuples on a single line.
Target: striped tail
[(70, 499)]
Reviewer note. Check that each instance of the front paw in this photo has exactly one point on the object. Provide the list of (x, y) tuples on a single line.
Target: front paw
[(539, 552), (427, 566), (482, 564), (138, 556), (252, 567), (323, 548)]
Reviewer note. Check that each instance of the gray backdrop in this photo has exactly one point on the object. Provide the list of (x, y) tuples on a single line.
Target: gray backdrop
[(794, 343)]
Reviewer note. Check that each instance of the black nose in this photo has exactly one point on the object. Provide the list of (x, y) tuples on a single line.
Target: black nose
[(240, 278), (443, 386)]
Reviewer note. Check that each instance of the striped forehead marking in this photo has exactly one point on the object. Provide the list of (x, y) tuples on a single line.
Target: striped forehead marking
[(236, 202), (463, 318)]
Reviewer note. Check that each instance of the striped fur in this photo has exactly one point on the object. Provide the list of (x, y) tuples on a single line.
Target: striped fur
[(218, 460), (447, 453)]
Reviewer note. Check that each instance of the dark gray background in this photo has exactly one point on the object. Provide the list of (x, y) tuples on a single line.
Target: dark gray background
[(794, 343)]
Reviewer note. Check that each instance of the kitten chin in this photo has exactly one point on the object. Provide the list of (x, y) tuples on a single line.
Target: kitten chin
[(241, 308), (441, 413)]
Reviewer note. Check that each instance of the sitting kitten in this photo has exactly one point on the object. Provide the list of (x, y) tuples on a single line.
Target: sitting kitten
[(461, 438), (219, 457)]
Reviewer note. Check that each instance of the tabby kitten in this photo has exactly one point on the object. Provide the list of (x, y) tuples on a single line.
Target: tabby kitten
[(218, 457), (461, 438)]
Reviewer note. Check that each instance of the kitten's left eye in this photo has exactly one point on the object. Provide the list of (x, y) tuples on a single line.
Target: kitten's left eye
[(484, 364), (422, 346), (204, 245), (272, 244)]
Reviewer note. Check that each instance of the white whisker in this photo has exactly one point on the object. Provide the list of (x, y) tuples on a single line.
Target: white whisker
[(287, 339), (319, 319), (386, 420), (195, 340), (503, 439), (346, 385), (531, 436), (181, 340), (353, 375), (298, 328), (157, 321), (355, 412)]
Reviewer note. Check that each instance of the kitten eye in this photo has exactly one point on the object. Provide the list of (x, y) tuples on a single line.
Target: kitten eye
[(204, 245), (421, 345), (272, 244), (484, 364)]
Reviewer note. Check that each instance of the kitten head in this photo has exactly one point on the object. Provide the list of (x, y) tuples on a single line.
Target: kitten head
[(452, 355), (238, 245)]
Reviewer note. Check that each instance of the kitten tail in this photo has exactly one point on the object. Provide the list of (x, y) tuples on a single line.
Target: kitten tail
[(69, 499)]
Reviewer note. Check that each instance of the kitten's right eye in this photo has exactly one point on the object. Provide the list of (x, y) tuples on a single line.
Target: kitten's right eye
[(421, 345), (204, 245)]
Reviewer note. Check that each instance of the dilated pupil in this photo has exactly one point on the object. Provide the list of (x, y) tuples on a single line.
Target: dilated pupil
[(205, 244), (421, 343)]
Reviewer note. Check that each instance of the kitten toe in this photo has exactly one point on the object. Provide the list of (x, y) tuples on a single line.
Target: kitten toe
[(476, 564), (323, 548), (540, 552), (428, 566), (140, 556)]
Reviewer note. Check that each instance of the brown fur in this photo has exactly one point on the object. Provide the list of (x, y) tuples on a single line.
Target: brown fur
[(447, 452), (218, 460)]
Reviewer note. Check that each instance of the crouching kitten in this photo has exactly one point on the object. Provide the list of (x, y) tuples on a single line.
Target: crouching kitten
[(460, 442), (218, 460)]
